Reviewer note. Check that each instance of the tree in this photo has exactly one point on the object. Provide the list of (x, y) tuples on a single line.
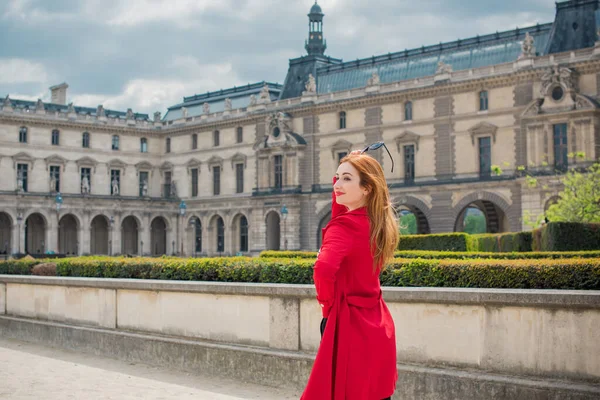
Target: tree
[(408, 224), (580, 199), (475, 223)]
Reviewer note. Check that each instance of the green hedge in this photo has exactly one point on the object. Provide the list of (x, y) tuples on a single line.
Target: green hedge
[(535, 274), (440, 242), (566, 236), (502, 242), (455, 255)]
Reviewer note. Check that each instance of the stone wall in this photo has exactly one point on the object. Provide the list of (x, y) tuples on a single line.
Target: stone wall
[(517, 341)]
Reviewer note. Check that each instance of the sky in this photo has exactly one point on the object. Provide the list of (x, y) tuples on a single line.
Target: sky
[(148, 54)]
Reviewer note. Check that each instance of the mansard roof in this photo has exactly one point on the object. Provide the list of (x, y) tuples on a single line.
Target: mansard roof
[(61, 108), (480, 51), (240, 98)]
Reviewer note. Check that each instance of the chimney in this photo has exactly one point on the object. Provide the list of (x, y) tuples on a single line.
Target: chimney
[(59, 94)]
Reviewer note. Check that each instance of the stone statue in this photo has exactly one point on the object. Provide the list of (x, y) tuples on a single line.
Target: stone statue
[(130, 114), (157, 116), (557, 75), (39, 106), (264, 95), (443, 68), (228, 104), (7, 102), (70, 108), (253, 100), (20, 181), (311, 84), (52, 184), (527, 49), (184, 112), (173, 189), (373, 80), (206, 108), (100, 111), (145, 188), (115, 187), (85, 185)]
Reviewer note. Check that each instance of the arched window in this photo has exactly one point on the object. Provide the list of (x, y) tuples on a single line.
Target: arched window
[(220, 235), (408, 111), (115, 142), (197, 235), (168, 145), (144, 145), (243, 234), (483, 100), (23, 134), (343, 120), (55, 137), (85, 140), (216, 137), (194, 141), (240, 134)]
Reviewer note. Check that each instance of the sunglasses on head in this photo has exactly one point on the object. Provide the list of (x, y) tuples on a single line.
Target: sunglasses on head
[(376, 146)]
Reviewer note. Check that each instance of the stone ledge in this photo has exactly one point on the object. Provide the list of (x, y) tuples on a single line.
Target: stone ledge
[(468, 296), (283, 368)]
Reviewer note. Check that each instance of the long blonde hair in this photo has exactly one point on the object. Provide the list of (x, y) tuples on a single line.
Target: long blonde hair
[(384, 225)]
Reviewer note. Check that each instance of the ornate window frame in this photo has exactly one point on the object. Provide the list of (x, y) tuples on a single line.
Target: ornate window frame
[(115, 163), (55, 160), (238, 158), (483, 129), (340, 146), (193, 163), (86, 162), (407, 137), (23, 158)]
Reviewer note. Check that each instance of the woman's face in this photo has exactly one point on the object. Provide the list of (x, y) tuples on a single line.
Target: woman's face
[(347, 189)]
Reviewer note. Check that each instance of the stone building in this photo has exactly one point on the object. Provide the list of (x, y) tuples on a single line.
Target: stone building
[(249, 168)]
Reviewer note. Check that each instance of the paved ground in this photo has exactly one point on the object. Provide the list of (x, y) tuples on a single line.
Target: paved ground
[(29, 371)]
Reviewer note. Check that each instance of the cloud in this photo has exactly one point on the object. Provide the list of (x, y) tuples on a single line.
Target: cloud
[(15, 70), (148, 95), (148, 54)]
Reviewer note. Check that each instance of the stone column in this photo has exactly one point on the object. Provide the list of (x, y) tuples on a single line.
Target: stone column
[(51, 241), (15, 237), (144, 235), (114, 236)]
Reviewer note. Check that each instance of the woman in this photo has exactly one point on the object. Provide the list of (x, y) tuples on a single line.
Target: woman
[(357, 356)]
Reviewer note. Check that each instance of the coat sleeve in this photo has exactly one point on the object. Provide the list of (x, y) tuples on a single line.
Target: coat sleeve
[(336, 246), (336, 209)]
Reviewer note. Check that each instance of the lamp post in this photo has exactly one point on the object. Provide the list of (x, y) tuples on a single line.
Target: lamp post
[(19, 220), (284, 214), (182, 208), (59, 201), (193, 227)]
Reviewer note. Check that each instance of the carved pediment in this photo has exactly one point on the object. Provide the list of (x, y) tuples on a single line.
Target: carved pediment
[(86, 162), (483, 128), (144, 165), (116, 164), (283, 140), (407, 137), (193, 163), (570, 102), (55, 159), (340, 145), (166, 166), (584, 103), (21, 158), (238, 158), (215, 160)]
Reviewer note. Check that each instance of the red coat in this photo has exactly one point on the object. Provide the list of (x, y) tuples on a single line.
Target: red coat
[(356, 359)]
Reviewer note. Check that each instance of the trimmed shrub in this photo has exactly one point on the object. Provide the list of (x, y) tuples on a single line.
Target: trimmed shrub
[(566, 236), (440, 242), (580, 273), (17, 267), (502, 242), (455, 255)]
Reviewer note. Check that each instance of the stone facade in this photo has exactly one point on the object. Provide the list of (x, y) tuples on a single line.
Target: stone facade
[(284, 152)]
